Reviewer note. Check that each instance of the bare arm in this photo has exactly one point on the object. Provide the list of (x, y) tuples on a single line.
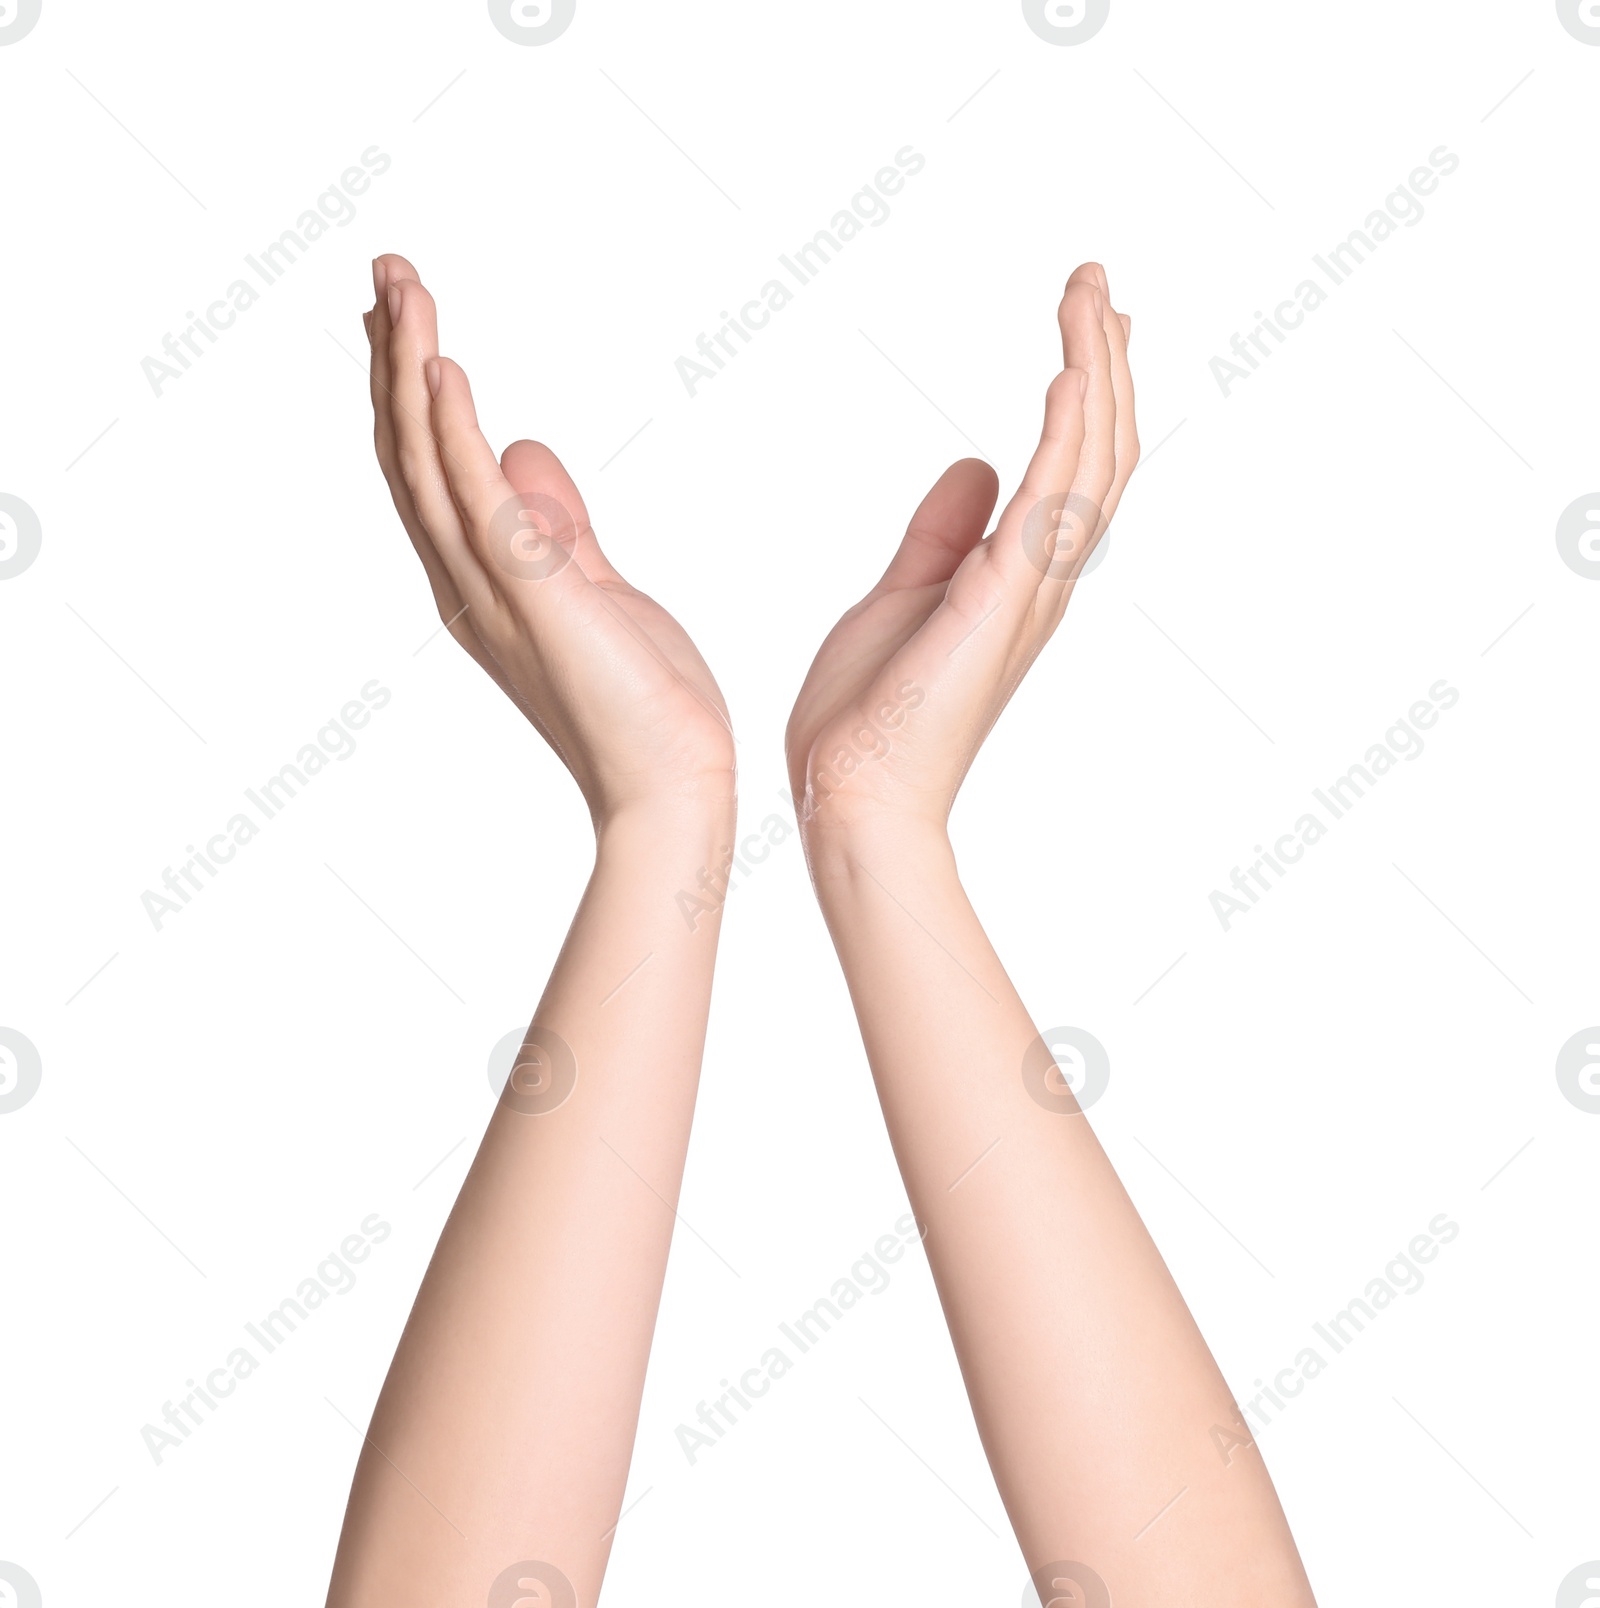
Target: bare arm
[(1093, 1390), (498, 1453)]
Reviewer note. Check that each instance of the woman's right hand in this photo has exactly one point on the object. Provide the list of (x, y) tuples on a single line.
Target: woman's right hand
[(608, 677)]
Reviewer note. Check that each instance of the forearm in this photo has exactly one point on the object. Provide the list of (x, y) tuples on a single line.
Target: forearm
[(1093, 1390), (506, 1425)]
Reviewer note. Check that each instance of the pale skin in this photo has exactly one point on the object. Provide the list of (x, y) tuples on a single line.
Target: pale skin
[(505, 1427), (504, 1431), (1095, 1395)]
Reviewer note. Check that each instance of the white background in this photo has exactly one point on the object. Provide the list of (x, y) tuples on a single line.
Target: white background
[(1294, 566)]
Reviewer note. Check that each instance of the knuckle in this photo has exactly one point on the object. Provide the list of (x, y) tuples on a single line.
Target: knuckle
[(1062, 391), (410, 464)]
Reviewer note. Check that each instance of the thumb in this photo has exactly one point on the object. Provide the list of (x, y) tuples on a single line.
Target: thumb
[(949, 522), (533, 470)]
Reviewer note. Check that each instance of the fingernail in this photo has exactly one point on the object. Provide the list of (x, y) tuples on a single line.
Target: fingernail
[(1099, 306), (380, 275), (1083, 384), (432, 370), (394, 304)]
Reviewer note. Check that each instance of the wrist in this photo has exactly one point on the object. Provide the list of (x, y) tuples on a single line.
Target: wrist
[(843, 853), (667, 825)]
